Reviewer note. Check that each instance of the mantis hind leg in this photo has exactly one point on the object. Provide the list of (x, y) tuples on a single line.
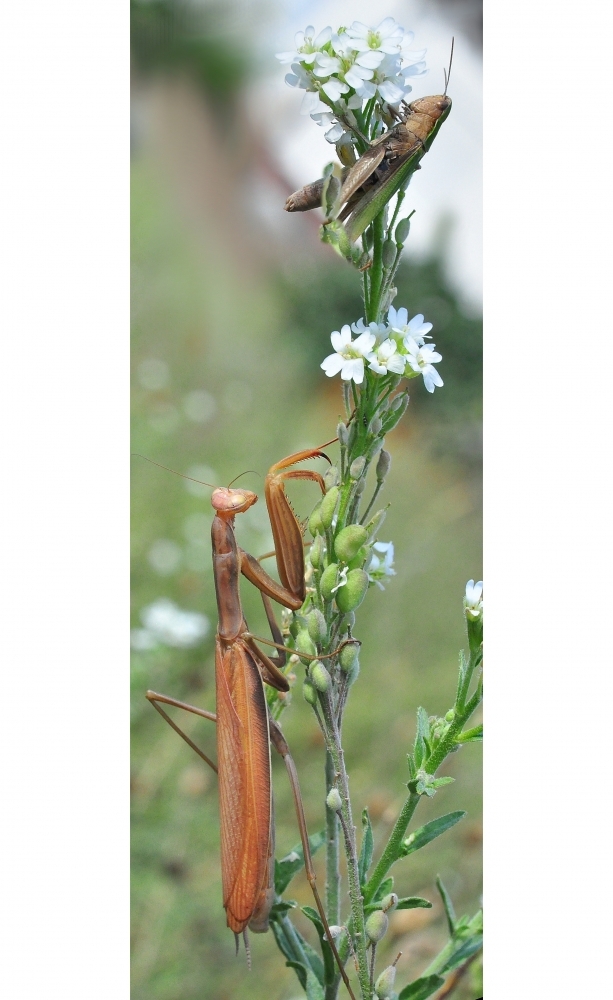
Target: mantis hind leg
[(154, 697)]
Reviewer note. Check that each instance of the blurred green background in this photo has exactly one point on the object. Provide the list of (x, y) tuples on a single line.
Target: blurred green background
[(229, 327)]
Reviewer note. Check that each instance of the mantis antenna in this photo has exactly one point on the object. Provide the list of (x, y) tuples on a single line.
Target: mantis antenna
[(174, 471), (247, 471), (447, 73)]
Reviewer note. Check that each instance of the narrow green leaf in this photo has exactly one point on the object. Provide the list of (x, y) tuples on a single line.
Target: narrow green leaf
[(412, 903), (282, 906), (385, 888), (448, 905), (291, 864), (463, 952), (422, 988), (471, 735), (301, 971), (419, 838), (367, 847), (314, 989), (329, 966), (315, 962), (284, 944)]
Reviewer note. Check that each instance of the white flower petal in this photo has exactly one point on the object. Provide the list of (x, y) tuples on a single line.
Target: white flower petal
[(335, 133), (334, 88), (390, 92), (332, 364), (370, 59), (364, 343)]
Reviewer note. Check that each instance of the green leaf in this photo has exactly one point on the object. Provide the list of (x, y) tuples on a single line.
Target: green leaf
[(282, 906), (448, 905), (465, 951), (366, 848), (419, 838), (285, 945), (421, 736), (412, 903), (422, 988), (301, 971), (291, 864), (385, 888), (471, 735), (329, 968), (314, 989)]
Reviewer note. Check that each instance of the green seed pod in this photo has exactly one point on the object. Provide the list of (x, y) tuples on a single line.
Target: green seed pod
[(389, 254), (383, 465), (384, 986), (304, 644), (342, 433), (319, 677), (389, 902), (402, 231), (348, 655), (375, 448), (315, 525), (331, 477), (396, 411), (328, 507), (309, 693), (296, 624), (334, 801), (328, 581), (359, 558), (375, 522), (349, 620), (349, 597), (375, 426), (316, 626), (349, 541), (353, 674), (368, 238), (376, 926), (316, 552), (357, 467)]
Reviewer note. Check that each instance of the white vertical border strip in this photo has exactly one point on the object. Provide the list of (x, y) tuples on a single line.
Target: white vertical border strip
[(65, 461), (548, 289)]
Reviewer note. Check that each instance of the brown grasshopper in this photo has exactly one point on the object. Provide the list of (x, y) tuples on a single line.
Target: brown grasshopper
[(406, 142)]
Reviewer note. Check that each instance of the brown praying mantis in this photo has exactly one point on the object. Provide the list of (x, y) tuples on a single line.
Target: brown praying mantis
[(244, 727)]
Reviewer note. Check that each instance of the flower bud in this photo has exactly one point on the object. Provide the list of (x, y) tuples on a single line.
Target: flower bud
[(389, 902), (368, 238), (402, 231), (353, 674), (376, 926), (334, 801), (327, 507), (349, 541), (315, 525), (375, 522), (304, 644), (316, 626), (331, 477), (396, 411), (450, 716), (316, 551), (385, 983), (296, 624), (383, 465), (309, 693), (349, 620), (389, 254), (349, 597), (348, 655), (342, 433), (328, 581), (357, 467), (375, 425), (375, 448), (319, 677)]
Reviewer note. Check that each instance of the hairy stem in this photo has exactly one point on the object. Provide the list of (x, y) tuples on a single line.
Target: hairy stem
[(392, 849), (332, 870)]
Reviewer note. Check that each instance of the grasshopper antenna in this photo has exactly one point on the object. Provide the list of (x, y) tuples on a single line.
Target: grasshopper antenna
[(447, 73), (174, 471), (245, 473)]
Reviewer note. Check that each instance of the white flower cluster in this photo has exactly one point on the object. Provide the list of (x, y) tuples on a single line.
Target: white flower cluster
[(167, 624), (341, 70), (398, 346), (381, 566)]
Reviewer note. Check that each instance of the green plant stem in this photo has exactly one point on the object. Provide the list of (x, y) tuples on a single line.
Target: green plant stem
[(376, 271), (372, 501), (332, 870), (335, 749), (392, 848)]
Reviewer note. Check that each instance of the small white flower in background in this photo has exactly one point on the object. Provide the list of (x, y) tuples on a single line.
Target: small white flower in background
[(422, 359), (379, 330), (381, 567), (165, 556), (166, 623), (349, 356), (398, 320), (387, 359), (473, 599)]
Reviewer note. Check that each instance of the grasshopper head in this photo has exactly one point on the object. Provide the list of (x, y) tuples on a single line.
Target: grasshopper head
[(436, 107), (227, 501)]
